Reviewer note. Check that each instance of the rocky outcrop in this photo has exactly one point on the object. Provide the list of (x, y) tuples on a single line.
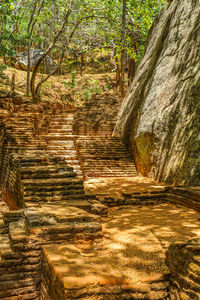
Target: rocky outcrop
[(20, 61), (160, 117)]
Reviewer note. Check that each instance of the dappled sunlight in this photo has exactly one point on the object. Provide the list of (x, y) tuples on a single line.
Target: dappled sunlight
[(119, 185)]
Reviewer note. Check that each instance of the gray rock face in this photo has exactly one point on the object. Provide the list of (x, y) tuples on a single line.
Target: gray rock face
[(160, 117), (20, 61)]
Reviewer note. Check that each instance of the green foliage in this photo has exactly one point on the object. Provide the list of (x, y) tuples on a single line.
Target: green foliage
[(72, 83), (91, 88), (92, 26), (87, 94)]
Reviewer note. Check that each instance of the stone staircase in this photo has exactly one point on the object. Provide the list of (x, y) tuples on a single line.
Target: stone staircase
[(92, 119), (47, 178), (105, 157), (61, 142)]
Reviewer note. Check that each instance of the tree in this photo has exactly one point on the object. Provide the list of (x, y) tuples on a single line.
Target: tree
[(123, 49), (118, 27), (37, 6)]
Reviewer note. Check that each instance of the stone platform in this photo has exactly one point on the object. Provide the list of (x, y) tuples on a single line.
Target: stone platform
[(126, 191), (128, 264)]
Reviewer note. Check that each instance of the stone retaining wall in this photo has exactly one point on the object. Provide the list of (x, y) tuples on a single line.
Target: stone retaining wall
[(20, 249), (183, 261), (148, 198)]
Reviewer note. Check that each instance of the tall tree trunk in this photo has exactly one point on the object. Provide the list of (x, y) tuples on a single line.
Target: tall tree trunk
[(122, 90), (82, 64), (28, 69), (12, 88), (131, 70), (118, 74), (35, 91)]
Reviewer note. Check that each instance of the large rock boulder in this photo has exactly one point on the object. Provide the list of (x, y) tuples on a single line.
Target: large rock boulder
[(20, 61), (160, 117)]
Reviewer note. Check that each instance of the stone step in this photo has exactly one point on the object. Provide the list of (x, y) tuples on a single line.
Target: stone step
[(70, 148), (100, 175), (104, 151), (71, 162), (71, 231), (62, 123), (107, 163), (51, 168), (62, 143), (62, 153), (58, 149), (42, 175), (48, 198), (63, 117), (127, 167), (5, 246), (112, 171), (60, 126), (53, 190), (109, 166), (58, 137), (52, 182), (60, 131)]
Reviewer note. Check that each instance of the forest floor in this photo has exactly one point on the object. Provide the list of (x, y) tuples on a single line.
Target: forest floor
[(71, 87)]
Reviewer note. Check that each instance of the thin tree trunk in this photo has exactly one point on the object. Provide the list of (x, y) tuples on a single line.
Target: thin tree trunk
[(37, 66), (28, 69), (12, 88), (122, 90), (118, 74), (131, 70), (82, 64)]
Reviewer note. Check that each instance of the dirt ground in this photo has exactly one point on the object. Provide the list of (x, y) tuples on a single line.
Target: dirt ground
[(64, 87)]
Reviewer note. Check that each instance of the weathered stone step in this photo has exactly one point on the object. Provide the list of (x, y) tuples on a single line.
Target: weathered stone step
[(5, 247), (63, 118), (71, 162), (109, 166), (108, 163), (51, 168), (62, 153), (69, 148), (94, 175), (111, 172), (61, 149), (60, 131), (61, 126), (112, 157), (43, 175), (58, 137), (62, 143), (53, 190), (62, 123), (69, 231), (55, 198), (52, 182)]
